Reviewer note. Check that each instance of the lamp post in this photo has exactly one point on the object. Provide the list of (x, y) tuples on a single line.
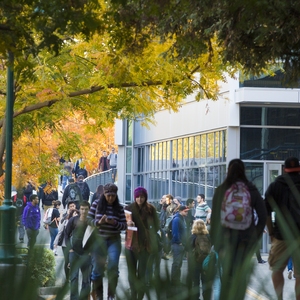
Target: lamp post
[(7, 211)]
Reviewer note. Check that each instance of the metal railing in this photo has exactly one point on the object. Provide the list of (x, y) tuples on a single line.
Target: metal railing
[(95, 180)]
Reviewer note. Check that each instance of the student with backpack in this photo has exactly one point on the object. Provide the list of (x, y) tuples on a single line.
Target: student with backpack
[(233, 231), (51, 221), (84, 188), (199, 248), (178, 246)]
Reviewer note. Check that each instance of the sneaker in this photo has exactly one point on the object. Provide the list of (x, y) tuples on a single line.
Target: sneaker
[(290, 274), (262, 261), (165, 257)]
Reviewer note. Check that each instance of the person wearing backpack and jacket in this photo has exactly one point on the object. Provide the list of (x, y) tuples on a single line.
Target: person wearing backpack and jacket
[(179, 245), (282, 197), (53, 226), (236, 246), (199, 248), (84, 188)]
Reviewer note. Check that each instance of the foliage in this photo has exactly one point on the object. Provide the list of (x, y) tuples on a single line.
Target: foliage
[(41, 266), (253, 33), (28, 26), (90, 81)]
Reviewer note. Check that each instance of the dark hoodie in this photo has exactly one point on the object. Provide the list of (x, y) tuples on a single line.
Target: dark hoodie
[(250, 235), (279, 191)]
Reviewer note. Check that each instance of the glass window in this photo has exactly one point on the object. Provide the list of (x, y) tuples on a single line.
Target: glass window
[(128, 159), (129, 132), (269, 143), (223, 149), (210, 148), (217, 146), (254, 173), (203, 149), (197, 148), (185, 147), (128, 188), (140, 160), (274, 116), (179, 152)]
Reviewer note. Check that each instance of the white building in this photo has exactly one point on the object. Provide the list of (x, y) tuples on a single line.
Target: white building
[(186, 153)]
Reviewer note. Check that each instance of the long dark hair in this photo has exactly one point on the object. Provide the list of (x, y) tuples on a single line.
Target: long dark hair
[(102, 205), (236, 172)]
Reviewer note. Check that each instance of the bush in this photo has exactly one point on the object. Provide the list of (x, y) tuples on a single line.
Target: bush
[(41, 266)]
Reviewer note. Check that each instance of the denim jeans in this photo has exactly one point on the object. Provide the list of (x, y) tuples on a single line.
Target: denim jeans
[(53, 233), (109, 249), (21, 228), (178, 253), (83, 263)]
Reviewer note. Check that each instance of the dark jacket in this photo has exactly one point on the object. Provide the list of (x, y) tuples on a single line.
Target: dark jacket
[(47, 198), (75, 230), (31, 216), (279, 191), (250, 235), (148, 225), (179, 230)]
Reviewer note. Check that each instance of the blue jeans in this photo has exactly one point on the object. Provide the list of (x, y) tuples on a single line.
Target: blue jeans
[(21, 228), (83, 263), (53, 233), (109, 249), (178, 253)]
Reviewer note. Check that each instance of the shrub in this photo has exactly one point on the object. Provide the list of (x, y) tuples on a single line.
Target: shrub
[(41, 266)]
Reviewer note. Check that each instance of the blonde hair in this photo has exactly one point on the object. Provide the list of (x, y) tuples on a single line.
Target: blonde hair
[(199, 227)]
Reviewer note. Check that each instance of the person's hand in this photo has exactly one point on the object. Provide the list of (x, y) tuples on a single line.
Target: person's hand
[(130, 223), (110, 220), (102, 220)]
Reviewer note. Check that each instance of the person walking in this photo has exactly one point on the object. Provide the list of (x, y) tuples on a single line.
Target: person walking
[(144, 243), (19, 201), (79, 257), (113, 162), (31, 220), (99, 191), (107, 216), (103, 164), (233, 231), (199, 248), (282, 198), (53, 226), (61, 237), (178, 246)]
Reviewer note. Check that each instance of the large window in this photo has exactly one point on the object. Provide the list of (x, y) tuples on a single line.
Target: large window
[(183, 167), (269, 133)]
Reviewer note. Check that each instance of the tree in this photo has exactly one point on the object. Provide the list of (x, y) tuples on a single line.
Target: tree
[(254, 34), (64, 73)]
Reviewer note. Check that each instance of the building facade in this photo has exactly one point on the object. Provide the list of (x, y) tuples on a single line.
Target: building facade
[(187, 153)]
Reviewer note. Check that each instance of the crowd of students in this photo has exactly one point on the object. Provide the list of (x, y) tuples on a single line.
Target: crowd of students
[(218, 243)]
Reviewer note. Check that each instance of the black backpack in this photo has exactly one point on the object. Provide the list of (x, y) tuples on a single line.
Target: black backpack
[(168, 227), (84, 190)]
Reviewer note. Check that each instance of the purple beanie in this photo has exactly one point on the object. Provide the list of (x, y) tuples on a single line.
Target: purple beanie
[(140, 191)]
